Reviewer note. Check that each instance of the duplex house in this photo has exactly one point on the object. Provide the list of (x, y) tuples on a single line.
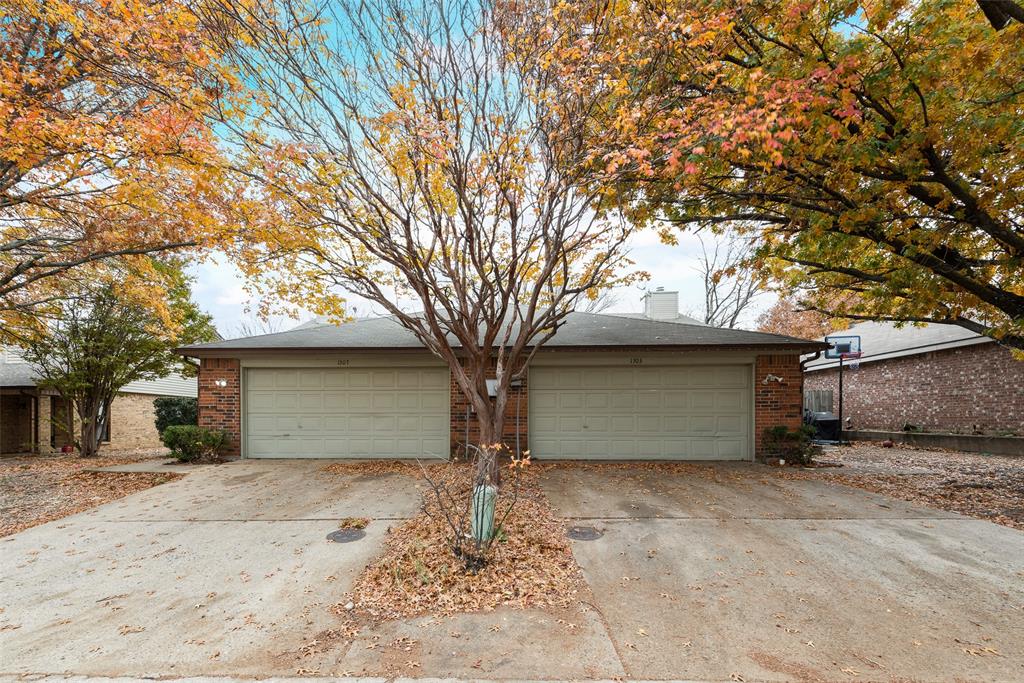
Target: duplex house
[(651, 386)]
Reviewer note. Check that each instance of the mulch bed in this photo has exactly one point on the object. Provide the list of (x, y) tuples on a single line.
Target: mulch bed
[(530, 566), (988, 487), (39, 489)]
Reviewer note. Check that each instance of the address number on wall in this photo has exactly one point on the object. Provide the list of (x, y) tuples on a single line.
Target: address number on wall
[(344, 362), (636, 361)]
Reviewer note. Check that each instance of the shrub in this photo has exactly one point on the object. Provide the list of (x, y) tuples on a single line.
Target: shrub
[(792, 444), (189, 442), (175, 410)]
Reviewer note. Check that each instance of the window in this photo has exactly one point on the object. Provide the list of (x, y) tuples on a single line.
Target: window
[(103, 423)]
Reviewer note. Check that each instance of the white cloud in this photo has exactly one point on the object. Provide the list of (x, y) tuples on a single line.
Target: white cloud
[(220, 287)]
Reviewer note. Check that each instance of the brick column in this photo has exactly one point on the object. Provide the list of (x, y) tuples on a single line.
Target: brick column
[(45, 424), (220, 407), (518, 403), (778, 395)]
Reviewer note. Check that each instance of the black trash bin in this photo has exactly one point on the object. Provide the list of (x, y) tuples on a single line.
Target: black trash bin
[(826, 426)]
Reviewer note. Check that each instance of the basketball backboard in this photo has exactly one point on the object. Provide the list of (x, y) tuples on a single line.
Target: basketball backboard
[(846, 346)]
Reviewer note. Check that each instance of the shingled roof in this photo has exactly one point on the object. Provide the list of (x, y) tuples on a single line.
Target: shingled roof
[(580, 330)]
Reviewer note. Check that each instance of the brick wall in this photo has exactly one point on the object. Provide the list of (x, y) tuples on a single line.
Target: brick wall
[(132, 423), (955, 390), (778, 394), (459, 403), (220, 406)]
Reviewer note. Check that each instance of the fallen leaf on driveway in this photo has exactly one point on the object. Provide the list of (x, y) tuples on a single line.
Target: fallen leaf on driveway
[(125, 630)]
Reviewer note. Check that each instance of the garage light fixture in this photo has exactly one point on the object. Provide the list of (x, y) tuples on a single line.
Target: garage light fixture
[(220, 382)]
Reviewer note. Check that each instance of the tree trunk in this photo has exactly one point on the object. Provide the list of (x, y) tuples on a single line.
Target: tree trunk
[(88, 414)]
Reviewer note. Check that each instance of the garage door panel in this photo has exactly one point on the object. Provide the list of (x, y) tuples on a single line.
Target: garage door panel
[(546, 424), (409, 423), (571, 424), (310, 379), (434, 379), (648, 400), (648, 424), (335, 401), (311, 401), (260, 400), (729, 424), (647, 412), (346, 412), (704, 449), (286, 379), (359, 379), (677, 424), (622, 400), (571, 400), (285, 400), (383, 380), (702, 401), (702, 424), (674, 400), (730, 449), (434, 402), (734, 377), (381, 401), (728, 400), (648, 378), (623, 424), (336, 380), (359, 424)]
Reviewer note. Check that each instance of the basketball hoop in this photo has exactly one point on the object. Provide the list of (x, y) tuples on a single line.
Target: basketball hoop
[(845, 348), (852, 359)]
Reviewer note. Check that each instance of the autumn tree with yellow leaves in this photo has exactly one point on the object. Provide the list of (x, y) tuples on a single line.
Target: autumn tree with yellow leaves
[(874, 149), (402, 155), (107, 148)]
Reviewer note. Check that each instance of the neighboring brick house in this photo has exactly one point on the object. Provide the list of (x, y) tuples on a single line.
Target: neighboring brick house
[(636, 386), (939, 378), (33, 420)]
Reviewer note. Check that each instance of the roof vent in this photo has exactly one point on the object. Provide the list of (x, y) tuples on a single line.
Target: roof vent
[(661, 305)]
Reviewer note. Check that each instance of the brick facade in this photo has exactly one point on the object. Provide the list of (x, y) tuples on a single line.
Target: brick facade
[(778, 399), (778, 395), (220, 407), (978, 387), (132, 424), (515, 419)]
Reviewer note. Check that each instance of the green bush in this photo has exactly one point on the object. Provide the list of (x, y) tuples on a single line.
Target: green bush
[(175, 410), (794, 445), (189, 442)]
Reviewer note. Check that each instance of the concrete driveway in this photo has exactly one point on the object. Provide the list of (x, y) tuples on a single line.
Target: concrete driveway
[(732, 572), (711, 573), (225, 571)]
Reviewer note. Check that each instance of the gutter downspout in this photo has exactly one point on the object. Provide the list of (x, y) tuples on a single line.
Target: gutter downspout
[(803, 386)]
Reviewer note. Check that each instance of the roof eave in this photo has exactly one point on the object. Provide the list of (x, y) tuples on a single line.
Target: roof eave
[(237, 352)]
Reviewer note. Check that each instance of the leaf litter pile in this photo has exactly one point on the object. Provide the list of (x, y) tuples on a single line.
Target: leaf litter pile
[(530, 566), (39, 489), (988, 487)]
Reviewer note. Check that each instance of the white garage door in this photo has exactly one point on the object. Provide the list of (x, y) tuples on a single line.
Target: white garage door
[(346, 412), (667, 412)]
